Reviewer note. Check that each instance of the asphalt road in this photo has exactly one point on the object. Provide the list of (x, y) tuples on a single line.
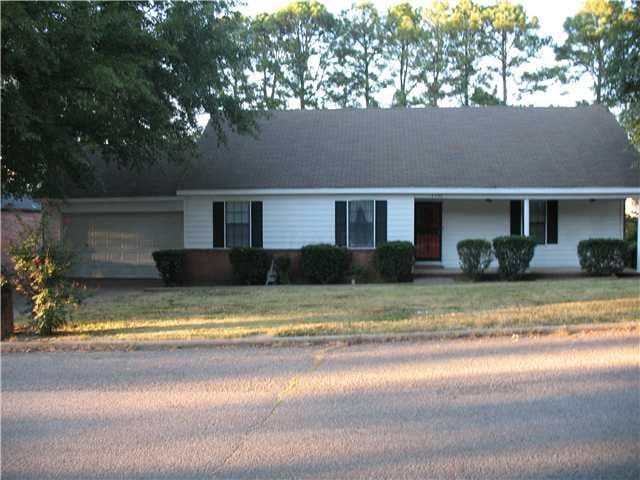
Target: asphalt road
[(560, 407)]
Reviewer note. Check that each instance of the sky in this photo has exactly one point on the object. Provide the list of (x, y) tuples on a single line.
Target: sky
[(551, 14)]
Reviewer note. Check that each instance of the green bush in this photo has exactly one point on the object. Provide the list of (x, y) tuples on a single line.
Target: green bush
[(394, 261), (603, 256), (42, 266), (324, 263), (283, 266), (170, 265), (475, 256), (514, 254), (250, 265)]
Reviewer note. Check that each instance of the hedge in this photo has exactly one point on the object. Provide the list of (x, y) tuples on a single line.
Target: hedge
[(514, 254), (394, 261), (475, 256), (603, 256), (324, 263), (170, 265), (250, 265)]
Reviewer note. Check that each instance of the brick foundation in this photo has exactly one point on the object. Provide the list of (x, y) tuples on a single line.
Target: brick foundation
[(212, 267)]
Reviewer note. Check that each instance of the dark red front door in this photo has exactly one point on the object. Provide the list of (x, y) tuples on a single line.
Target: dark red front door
[(428, 230)]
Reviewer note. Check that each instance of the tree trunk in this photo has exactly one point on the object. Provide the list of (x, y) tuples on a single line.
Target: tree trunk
[(503, 55), (6, 325), (465, 71)]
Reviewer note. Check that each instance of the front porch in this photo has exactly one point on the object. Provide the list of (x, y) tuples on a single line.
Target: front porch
[(557, 224)]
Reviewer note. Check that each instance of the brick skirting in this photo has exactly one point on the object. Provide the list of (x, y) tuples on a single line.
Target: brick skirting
[(212, 267)]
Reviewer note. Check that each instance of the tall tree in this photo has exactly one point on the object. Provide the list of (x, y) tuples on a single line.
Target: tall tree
[(404, 33), (470, 45), (434, 55), (239, 64), (624, 71), (358, 50), (306, 28), (589, 47), (268, 55), (513, 40), (123, 80)]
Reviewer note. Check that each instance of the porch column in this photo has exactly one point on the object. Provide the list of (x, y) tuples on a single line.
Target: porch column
[(525, 217)]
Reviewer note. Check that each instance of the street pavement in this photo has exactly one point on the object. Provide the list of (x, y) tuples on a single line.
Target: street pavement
[(565, 407)]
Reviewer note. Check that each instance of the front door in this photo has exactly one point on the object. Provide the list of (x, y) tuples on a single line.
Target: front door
[(428, 231)]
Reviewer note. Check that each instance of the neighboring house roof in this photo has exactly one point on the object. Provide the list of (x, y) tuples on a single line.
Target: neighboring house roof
[(25, 204), (483, 147)]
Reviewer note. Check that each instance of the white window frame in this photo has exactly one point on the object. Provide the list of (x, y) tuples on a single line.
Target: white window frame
[(224, 222), (546, 220), (374, 223)]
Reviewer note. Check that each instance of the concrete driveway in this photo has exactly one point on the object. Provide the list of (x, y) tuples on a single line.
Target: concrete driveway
[(560, 407)]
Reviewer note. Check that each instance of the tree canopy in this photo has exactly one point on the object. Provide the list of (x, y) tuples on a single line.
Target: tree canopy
[(128, 81), (122, 80)]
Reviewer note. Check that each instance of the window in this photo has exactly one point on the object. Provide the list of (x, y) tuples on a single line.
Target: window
[(538, 221), (543, 220), (361, 224), (237, 224)]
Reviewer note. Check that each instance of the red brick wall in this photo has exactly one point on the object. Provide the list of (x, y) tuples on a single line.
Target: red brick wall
[(212, 267)]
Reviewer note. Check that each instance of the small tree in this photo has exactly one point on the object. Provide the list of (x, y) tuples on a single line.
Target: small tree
[(42, 265)]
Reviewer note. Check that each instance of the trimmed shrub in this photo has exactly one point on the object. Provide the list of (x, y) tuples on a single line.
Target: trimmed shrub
[(394, 261), (283, 266), (170, 264), (514, 254), (603, 256), (475, 256), (250, 265), (324, 263)]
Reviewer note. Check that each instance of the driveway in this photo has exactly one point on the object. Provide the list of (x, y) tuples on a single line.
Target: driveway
[(556, 407)]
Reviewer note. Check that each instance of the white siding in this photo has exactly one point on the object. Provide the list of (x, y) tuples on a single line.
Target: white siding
[(400, 218), (198, 222), (579, 220), (463, 219), (290, 222)]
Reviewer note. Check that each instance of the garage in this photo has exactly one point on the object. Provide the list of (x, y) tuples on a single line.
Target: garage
[(120, 245)]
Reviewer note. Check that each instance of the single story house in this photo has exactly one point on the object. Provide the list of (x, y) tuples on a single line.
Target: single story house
[(432, 176)]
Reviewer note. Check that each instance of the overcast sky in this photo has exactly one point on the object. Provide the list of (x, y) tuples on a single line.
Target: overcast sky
[(551, 14)]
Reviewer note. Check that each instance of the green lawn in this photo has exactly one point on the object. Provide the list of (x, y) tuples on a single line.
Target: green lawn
[(226, 312)]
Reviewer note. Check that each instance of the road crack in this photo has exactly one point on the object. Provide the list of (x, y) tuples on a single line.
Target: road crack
[(292, 385)]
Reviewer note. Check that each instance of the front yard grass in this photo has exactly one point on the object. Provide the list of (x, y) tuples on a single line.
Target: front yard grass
[(228, 312)]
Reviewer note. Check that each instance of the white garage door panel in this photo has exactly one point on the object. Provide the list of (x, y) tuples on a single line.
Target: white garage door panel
[(120, 245)]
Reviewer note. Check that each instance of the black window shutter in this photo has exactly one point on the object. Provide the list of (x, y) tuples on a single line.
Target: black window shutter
[(256, 224), (381, 221), (341, 223), (516, 217), (218, 224), (552, 221)]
